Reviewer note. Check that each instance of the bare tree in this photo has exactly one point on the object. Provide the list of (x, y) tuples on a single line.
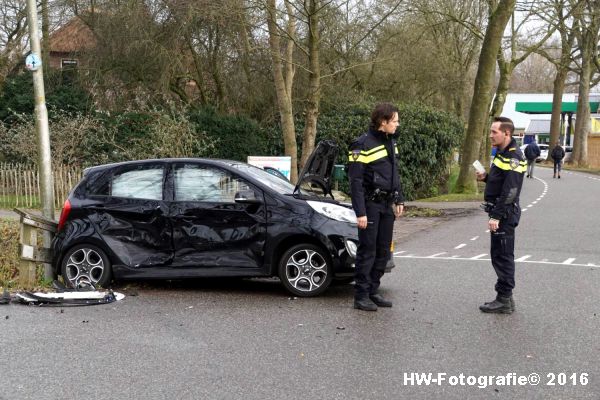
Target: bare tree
[(586, 34), (283, 76), (482, 94), (13, 30)]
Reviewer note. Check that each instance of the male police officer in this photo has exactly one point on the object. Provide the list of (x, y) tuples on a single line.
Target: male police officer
[(502, 189), (377, 199)]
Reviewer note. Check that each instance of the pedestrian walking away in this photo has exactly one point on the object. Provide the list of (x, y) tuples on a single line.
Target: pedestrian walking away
[(532, 152), (377, 200), (557, 154), (502, 191)]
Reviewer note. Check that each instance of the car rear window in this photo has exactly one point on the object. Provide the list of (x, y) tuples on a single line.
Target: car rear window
[(141, 183)]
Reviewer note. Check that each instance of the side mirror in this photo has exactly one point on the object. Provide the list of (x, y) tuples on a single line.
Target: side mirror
[(247, 196)]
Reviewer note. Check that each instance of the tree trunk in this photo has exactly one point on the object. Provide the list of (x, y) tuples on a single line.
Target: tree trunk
[(557, 94), (506, 69), (283, 85), (45, 36), (314, 85), (482, 93), (582, 124)]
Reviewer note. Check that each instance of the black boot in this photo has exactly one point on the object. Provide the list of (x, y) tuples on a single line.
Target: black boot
[(365, 304), (501, 305), (380, 301)]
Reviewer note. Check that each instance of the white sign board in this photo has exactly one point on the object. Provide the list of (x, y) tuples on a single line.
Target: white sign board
[(281, 163)]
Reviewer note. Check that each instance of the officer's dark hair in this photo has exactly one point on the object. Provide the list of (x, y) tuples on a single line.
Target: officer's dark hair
[(382, 112), (506, 124)]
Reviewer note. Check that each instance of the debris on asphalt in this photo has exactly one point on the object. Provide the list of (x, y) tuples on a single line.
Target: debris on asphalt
[(340, 328)]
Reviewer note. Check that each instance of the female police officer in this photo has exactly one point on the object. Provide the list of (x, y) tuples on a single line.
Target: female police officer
[(377, 199)]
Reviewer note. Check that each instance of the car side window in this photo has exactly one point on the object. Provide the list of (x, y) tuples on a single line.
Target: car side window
[(141, 183), (202, 183)]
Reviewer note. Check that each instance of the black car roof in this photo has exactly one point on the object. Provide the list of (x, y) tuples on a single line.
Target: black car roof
[(211, 161)]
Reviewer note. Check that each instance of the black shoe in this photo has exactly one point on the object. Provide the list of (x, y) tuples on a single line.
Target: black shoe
[(380, 301), (558, 176), (527, 176), (501, 305), (365, 305)]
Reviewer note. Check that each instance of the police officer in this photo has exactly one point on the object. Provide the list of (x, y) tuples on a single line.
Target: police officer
[(377, 200), (502, 190)]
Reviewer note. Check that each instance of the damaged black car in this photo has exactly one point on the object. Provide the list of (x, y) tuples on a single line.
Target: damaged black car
[(192, 218)]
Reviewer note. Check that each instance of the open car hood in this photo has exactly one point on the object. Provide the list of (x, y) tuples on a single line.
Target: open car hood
[(318, 169)]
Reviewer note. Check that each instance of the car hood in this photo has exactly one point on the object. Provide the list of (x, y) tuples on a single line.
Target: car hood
[(318, 169)]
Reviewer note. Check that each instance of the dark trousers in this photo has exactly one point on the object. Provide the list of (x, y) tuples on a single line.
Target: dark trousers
[(373, 250), (503, 252), (530, 166), (557, 166)]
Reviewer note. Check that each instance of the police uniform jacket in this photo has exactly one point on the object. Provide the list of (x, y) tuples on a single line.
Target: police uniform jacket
[(504, 181), (372, 165)]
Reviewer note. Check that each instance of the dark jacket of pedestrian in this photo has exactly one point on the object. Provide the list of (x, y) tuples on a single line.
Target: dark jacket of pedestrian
[(558, 153), (532, 151)]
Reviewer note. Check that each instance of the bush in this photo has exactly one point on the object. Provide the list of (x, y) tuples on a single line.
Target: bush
[(61, 96), (237, 137), (426, 140), (9, 245)]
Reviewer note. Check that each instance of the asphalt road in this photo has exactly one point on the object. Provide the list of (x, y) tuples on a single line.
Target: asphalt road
[(249, 340)]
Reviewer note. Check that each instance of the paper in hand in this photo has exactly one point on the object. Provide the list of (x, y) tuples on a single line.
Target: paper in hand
[(478, 167)]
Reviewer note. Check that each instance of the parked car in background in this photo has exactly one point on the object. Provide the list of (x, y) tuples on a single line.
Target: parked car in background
[(189, 218), (543, 151), (568, 153)]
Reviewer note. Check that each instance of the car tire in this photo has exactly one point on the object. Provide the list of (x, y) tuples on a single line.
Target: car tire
[(305, 270), (86, 265)]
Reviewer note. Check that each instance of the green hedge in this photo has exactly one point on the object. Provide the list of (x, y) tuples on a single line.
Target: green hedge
[(236, 137), (426, 141)]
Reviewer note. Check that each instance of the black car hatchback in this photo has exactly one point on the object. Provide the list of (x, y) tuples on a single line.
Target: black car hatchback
[(188, 218)]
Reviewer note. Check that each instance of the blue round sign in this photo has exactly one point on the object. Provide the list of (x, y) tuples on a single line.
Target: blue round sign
[(33, 62)]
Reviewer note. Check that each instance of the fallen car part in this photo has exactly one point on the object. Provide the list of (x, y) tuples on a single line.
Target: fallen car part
[(87, 298)]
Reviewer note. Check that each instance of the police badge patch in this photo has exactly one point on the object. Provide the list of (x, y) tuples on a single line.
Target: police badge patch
[(514, 163), (355, 154)]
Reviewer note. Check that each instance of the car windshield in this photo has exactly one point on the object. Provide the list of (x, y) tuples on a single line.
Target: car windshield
[(272, 181)]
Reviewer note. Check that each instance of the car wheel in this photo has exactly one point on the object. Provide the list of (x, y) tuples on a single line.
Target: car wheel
[(305, 270), (86, 265)]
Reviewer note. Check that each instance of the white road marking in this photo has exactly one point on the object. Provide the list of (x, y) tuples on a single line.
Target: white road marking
[(523, 258), (460, 246), (475, 238), (455, 257), (569, 261), (478, 256), (400, 252), (436, 254)]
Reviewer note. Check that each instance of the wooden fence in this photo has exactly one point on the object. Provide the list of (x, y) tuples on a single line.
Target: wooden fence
[(20, 184)]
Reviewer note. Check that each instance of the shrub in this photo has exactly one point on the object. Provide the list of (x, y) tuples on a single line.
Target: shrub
[(426, 140), (9, 244), (237, 137)]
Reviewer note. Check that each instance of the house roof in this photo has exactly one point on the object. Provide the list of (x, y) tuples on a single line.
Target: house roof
[(73, 37)]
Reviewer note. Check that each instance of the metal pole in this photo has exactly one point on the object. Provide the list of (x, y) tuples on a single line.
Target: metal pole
[(41, 125)]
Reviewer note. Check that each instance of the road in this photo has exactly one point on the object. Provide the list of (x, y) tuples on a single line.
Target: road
[(249, 340)]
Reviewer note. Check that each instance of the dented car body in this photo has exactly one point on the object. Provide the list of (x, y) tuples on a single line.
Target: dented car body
[(189, 218)]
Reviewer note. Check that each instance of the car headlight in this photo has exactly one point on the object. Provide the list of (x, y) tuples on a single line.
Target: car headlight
[(350, 247), (333, 211)]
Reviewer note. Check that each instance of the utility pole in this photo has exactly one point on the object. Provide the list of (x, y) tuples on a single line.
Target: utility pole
[(33, 62)]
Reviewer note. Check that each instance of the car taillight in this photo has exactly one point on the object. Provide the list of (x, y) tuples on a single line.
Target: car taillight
[(63, 215)]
